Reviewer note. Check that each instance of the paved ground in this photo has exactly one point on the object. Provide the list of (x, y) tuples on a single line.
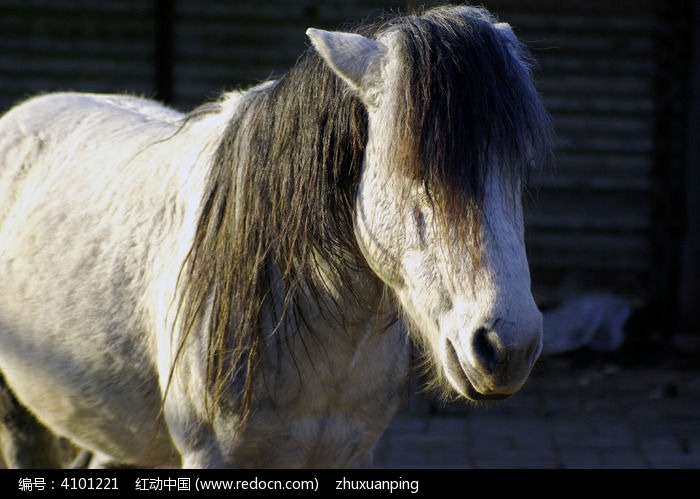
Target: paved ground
[(571, 414)]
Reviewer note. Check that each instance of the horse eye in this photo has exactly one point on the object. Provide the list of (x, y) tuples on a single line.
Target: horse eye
[(419, 218)]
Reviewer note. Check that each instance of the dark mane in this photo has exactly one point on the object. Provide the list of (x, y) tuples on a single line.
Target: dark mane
[(290, 159), (281, 189)]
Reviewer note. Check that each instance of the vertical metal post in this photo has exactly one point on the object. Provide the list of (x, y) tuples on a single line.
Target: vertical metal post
[(164, 13), (690, 251)]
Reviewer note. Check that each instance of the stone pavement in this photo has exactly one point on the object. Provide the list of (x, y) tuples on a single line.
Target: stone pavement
[(601, 415)]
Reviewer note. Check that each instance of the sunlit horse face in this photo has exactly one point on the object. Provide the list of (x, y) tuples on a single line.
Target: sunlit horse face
[(477, 319), (475, 315)]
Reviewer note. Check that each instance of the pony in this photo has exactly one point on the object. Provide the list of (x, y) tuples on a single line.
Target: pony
[(243, 285)]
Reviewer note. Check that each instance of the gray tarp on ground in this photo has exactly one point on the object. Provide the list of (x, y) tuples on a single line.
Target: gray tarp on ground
[(596, 320)]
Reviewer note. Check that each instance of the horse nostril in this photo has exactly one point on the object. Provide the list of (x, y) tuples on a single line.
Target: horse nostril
[(488, 349)]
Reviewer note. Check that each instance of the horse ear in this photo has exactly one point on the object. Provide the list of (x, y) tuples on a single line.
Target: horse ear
[(355, 58)]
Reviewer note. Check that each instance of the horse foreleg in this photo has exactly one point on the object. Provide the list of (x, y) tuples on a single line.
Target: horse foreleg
[(24, 441)]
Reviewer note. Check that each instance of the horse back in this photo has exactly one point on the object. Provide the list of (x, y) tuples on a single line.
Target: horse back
[(51, 132)]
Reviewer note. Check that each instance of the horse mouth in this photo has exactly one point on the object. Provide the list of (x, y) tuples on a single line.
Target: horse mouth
[(460, 379)]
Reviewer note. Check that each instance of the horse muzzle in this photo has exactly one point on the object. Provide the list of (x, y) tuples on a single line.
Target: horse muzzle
[(488, 364)]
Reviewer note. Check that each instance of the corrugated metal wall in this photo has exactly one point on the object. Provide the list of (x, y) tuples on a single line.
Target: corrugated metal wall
[(590, 218), (223, 44), (88, 45), (590, 221)]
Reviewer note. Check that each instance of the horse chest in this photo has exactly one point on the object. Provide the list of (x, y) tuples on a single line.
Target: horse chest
[(330, 410)]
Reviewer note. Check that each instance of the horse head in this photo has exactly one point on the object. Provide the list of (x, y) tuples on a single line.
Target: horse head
[(454, 122)]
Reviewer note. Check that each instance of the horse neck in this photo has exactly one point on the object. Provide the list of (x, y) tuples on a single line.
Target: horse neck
[(351, 301)]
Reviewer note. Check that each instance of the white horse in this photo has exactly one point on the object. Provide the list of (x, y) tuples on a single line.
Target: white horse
[(221, 288)]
